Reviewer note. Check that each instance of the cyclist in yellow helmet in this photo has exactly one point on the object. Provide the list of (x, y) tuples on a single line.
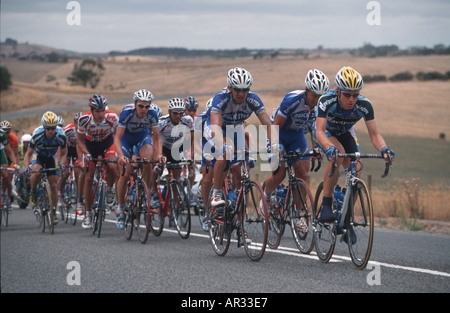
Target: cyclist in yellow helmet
[(337, 113)]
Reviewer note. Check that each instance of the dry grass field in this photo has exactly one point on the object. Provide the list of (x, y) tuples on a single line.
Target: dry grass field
[(404, 109)]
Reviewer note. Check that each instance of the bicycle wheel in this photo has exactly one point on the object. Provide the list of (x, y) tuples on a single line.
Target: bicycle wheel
[(143, 216), (48, 209), (157, 219), (219, 228), (4, 217), (255, 221), (324, 233), (300, 206), (180, 209), (72, 205), (99, 210), (360, 227), (276, 224), (200, 204)]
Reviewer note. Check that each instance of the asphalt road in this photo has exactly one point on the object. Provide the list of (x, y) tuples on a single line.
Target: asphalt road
[(73, 260)]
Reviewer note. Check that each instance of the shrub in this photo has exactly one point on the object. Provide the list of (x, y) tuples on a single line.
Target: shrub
[(431, 76), (402, 76), (374, 78), (5, 78)]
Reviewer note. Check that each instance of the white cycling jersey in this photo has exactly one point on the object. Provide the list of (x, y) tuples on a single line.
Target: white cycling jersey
[(97, 132)]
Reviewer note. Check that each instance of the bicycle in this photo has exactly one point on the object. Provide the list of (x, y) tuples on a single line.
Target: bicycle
[(137, 203), (292, 208), (99, 195), (247, 214), (173, 203), (69, 211), (43, 211), (4, 216), (353, 209)]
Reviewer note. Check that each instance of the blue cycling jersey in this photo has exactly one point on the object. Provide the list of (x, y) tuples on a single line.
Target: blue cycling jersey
[(133, 124), (47, 147), (340, 121), (298, 115), (232, 113)]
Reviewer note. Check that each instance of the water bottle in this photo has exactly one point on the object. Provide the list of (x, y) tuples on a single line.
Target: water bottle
[(231, 198), (281, 195), (338, 199)]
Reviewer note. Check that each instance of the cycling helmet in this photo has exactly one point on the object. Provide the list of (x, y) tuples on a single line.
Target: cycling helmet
[(49, 119), (348, 79), (239, 78), (76, 116), (143, 95), (25, 138), (176, 104), (98, 102), (317, 82), (60, 121), (157, 109), (191, 103), (5, 125)]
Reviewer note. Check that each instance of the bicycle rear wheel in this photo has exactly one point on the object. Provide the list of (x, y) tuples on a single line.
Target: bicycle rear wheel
[(360, 228), (143, 217), (72, 205), (301, 217), (219, 228), (99, 211), (324, 233), (157, 218), (276, 223), (255, 221), (180, 209)]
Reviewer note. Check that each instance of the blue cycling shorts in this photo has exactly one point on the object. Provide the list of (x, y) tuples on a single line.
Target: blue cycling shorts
[(137, 140)]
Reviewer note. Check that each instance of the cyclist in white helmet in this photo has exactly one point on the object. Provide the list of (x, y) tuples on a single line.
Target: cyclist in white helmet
[(294, 118), (133, 131), (231, 107)]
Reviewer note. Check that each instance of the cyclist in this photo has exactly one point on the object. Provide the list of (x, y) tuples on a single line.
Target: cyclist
[(70, 131), (6, 126), (295, 117), (191, 104), (175, 130), (43, 152), (133, 131), (231, 107), (95, 139), (337, 112)]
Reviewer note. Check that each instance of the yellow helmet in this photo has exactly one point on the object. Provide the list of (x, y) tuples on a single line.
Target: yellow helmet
[(348, 79), (49, 119)]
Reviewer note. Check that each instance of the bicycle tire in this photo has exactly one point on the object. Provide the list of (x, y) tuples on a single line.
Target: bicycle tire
[(98, 214), (4, 217), (157, 219), (180, 209), (143, 216), (72, 215), (276, 224), (219, 229), (200, 204), (324, 234), (360, 227), (255, 221), (301, 219)]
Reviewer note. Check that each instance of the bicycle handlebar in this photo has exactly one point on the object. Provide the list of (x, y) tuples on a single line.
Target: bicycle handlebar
[(294, 155), (357, 156)]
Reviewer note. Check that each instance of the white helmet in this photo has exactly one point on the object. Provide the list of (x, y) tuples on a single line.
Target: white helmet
[(176, 104), (60, 121), (317, 82), (156, 108), (25, 137), (143, 95), (239, 78)]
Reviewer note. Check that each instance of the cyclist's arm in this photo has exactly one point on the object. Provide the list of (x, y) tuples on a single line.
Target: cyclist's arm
[(27, 157), (63, 155), (157, 144), (81, 145), (321, 124), (216, 129), (265, 120), (10, 154), (376, 139), (117, 142)]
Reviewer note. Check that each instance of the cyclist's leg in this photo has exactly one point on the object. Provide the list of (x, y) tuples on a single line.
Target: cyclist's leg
[(146, 151)]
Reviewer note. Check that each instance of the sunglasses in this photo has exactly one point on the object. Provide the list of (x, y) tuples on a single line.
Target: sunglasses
[(348, 95), (50, 128), (142, 106), (241, 90), (177, 112)]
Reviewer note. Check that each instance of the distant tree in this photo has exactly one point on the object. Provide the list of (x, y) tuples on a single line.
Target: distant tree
[(87, 73), (5, 78)]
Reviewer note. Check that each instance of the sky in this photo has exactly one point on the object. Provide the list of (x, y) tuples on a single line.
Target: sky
[(101, 26)]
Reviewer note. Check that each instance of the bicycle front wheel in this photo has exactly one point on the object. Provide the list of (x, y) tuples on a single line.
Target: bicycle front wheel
[(276, 222), (219, 227), (324, 233), (254, 224), (99, 211), (180, 209), (300, 210), (360, 227), (143, 217)]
